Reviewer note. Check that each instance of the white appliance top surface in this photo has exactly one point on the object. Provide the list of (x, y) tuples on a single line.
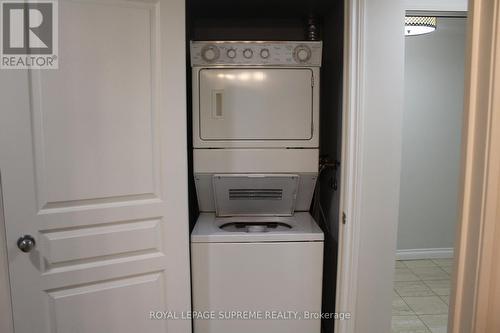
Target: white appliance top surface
[(264, 53), (303, 228)]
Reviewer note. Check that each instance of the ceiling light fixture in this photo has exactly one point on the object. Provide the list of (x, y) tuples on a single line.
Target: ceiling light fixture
[(419, 25)]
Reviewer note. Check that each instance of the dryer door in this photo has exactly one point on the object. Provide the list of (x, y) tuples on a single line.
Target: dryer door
[(238, 105)]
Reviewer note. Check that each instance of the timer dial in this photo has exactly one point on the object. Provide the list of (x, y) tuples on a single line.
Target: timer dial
[(302, 53), (210, 53)]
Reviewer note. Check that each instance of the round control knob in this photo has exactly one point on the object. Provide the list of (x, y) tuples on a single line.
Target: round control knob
[(264, 53), (247, 53), (210, 53), (231, 53), (302, 53)]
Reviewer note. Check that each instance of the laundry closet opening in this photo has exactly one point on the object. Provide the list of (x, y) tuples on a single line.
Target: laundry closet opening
[(271, 21)]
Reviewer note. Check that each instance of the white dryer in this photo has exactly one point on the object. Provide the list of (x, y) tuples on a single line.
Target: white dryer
[(256, 94), (256, 252)]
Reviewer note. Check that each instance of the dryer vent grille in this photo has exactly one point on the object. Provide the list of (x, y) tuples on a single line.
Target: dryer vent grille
[(255, 194)]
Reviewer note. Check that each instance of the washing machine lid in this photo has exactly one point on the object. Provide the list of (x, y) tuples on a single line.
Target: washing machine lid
[(300, 227), (255, 194)]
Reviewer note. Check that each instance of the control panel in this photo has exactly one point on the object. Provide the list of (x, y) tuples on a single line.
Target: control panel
[(256, 53)]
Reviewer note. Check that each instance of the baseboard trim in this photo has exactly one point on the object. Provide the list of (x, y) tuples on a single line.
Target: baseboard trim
[(433, 253)]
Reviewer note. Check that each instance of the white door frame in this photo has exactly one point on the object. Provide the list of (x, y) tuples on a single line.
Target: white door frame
[(347, 270), (368, 71), (6, 319), (475, 303)]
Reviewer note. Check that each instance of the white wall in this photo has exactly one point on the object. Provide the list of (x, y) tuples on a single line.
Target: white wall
[(432, 122), (437, 5)]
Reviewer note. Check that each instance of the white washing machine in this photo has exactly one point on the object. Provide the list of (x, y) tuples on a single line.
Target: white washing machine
[(256, 252), (257, 264), (270, 266)]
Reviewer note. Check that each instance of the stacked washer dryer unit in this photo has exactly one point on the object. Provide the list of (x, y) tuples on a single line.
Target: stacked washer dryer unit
[(256, 252)]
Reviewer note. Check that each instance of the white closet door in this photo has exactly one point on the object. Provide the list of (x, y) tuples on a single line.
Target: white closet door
[(93, 167)]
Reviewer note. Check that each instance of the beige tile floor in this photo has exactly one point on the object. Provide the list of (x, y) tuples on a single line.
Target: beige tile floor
[(421, 296)]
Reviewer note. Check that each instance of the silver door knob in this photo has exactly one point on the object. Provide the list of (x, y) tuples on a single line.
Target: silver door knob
[(26, 243)]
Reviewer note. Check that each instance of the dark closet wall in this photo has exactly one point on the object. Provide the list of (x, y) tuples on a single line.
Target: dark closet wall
[(286, 20)]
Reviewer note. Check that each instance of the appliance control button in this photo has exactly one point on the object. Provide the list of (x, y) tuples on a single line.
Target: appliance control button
[(231, 53), (210, 53), (302, 53), (248, 53), (264, 53)]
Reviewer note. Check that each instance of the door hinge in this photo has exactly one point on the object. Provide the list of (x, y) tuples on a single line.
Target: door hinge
[(344, 218), (312, 81)]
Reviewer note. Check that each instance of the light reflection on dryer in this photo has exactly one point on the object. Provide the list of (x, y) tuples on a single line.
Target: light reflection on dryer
[(244, 76)]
